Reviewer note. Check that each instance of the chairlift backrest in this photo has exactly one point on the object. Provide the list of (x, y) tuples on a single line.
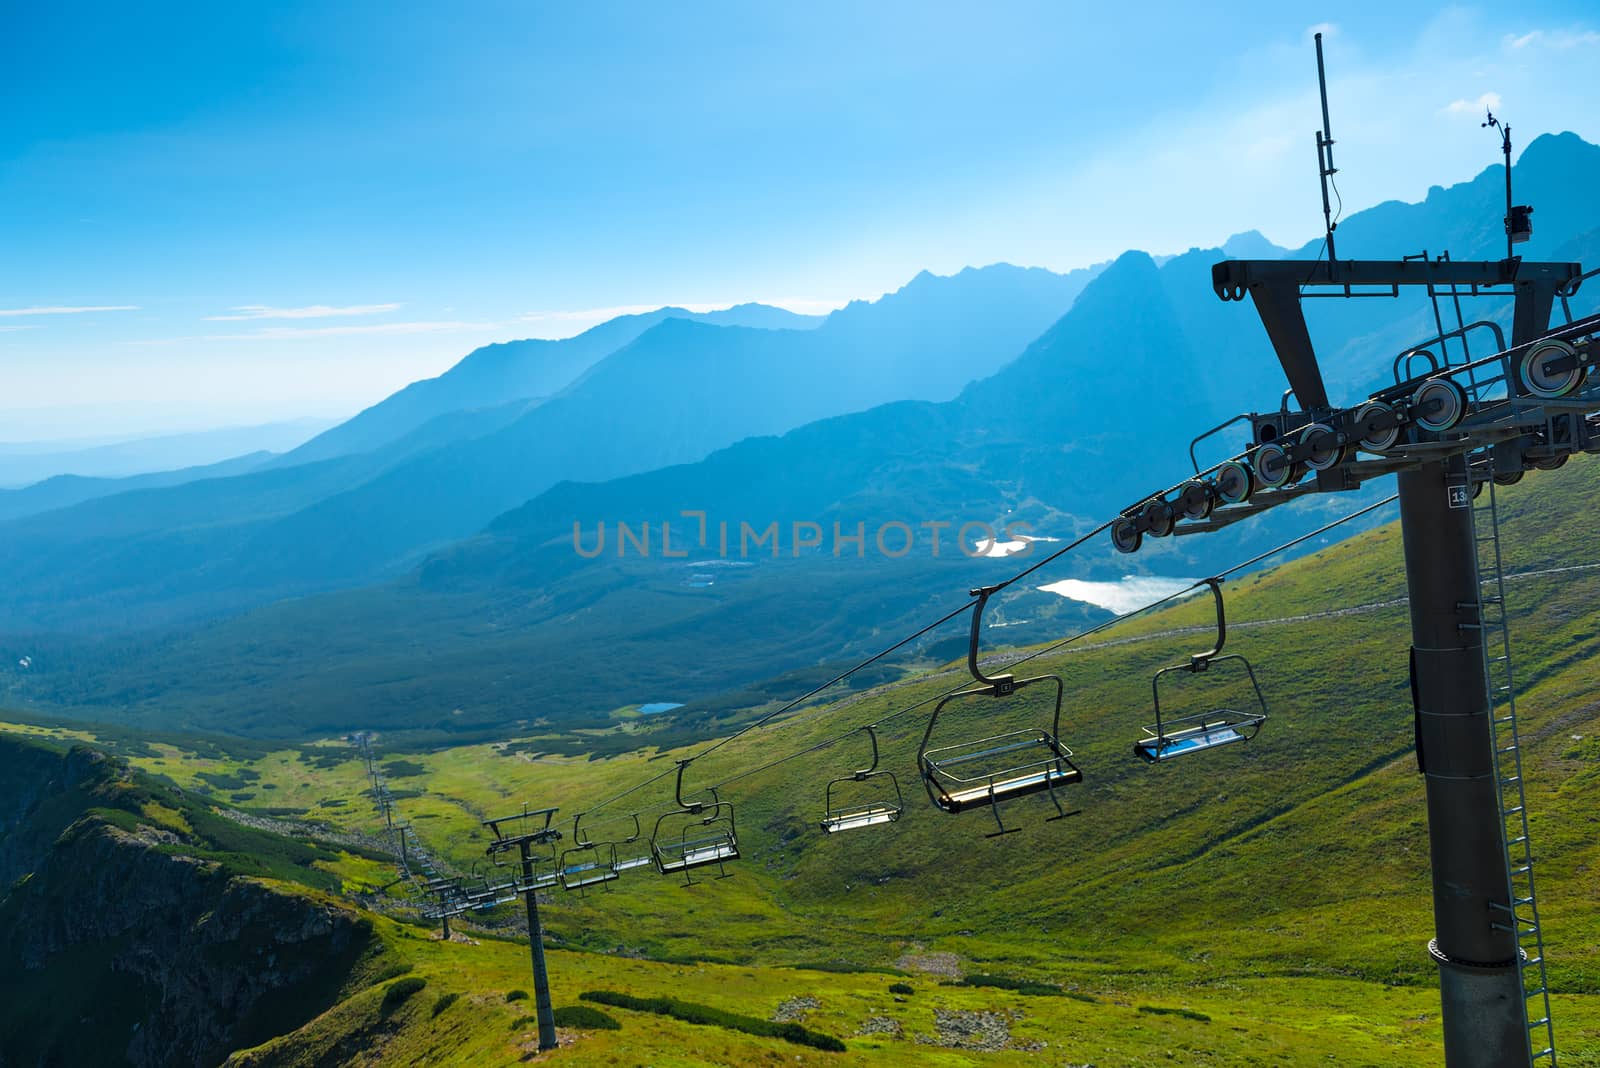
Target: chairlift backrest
[(1172, 737), (859, 814), (596, 864), (706, 834), (985, 771)]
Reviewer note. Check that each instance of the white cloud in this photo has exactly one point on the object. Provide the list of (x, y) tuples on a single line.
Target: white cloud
[(69, 309), (313, 311), (292, 333), (1327, 29), (1557, 39), (13, 329), (1484, 103)]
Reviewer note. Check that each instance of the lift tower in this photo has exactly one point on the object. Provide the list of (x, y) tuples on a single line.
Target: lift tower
[(523, 832), (1479, 959)]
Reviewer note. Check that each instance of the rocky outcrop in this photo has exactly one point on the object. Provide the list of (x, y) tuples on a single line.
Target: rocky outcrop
[(156, 949), (32, 776)]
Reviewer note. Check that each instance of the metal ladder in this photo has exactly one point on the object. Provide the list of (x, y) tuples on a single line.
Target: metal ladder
[(1521, 918)]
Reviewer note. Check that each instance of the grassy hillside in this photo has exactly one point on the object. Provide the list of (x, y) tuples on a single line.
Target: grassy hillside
[(1279, 888)]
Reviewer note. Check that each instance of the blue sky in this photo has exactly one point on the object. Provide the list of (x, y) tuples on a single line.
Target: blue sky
[(294, 209)]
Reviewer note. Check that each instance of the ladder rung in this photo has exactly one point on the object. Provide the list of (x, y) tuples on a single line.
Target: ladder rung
[(1523, 870), (1512, 748), (1538, 1023)]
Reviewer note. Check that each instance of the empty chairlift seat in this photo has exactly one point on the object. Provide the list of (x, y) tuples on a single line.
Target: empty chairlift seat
[(588, 864), (1005, 766), (612, 855), (849, 810), (1171, 737), (984, 771), (694, 835)]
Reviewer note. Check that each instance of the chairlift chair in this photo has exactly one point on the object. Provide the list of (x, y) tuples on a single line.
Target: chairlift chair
[(598, 862), (1173, 737), (628, 859), (596, 865), (706, 836), (870, 814), (988, 770)]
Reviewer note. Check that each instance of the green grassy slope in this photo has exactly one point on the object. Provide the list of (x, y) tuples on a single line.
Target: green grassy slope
[(1280, 887)]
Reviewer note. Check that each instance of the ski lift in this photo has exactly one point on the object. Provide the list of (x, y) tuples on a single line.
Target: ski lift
[(595, 863), (988, 770), (708, 837), (1175, 737), (628, 859), (848, 818), (596, 866)]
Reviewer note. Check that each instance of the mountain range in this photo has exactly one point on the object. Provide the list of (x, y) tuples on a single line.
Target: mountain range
[(674, 392), (1002, 409)]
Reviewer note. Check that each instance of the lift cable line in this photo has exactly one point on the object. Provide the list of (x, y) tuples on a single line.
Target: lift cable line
[(790, 705), (1058, 645), (1220, 470)]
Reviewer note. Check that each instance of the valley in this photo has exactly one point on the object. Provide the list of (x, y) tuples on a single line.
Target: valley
[(1277, 889)]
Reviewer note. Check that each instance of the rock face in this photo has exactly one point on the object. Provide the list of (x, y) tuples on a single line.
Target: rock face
[(118, 945)]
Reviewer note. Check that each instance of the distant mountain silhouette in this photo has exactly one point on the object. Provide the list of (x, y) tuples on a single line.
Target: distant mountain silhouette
[(25, 463), (1250, 245), (516, 370), (674, 393), (65, 490), (1096, 411)]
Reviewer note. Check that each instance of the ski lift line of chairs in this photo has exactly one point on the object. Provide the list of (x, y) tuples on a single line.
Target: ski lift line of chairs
[(984, 771), (705, 834), (1171, 737), (869, 814)]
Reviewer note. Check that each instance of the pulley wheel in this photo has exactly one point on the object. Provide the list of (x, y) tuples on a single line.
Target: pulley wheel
[(1438, 405), (1273, 469), (1125, 537), (1539, 375), (1367, 420), (1158, 518), (1234, 482), (1195, 500), (1324, 450), (1508, 478), (1550, 463)]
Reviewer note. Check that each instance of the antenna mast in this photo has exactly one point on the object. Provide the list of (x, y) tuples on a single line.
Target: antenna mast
[(1325, 167), (1519, 227)]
